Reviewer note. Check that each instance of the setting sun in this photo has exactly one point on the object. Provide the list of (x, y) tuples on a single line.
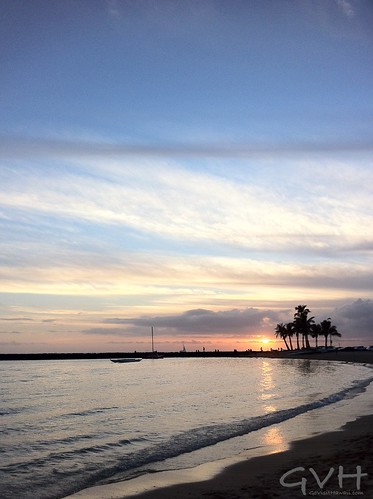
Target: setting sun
[(265, 340)]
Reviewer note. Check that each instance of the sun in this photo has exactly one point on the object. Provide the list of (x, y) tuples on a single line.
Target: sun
[(265, 340)]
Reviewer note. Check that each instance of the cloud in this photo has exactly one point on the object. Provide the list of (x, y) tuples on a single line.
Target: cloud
[(304, 207), (203, 321), (160, 233), (356, 319), (158, 279), (347, 8), (18, 148), (102, 331), (16, 319), (113, 9)]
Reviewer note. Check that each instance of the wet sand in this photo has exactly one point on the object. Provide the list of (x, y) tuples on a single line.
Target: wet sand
[(259, 477)]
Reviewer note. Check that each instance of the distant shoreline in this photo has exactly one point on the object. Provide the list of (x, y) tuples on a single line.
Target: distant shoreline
[(360, 356)]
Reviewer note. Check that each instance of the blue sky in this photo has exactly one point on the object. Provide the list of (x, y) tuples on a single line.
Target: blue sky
[(200, 166)]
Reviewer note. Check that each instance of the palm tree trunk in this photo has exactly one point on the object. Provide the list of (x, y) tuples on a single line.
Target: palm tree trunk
[(307, 341), (297, 335), (291, 344)]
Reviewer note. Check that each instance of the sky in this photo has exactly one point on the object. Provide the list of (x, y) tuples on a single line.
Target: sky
[(200, 166)]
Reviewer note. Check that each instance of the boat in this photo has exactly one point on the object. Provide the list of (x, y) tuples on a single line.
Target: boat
[(125, 360), (154, 354)]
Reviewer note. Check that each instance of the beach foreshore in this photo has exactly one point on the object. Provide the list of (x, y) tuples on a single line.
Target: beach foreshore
[(312, 467)]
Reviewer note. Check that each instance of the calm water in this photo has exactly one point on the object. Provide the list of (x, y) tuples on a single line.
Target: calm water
[(66, 425)]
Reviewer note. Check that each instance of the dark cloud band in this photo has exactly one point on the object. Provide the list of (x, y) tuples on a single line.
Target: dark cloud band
[(18, 147)]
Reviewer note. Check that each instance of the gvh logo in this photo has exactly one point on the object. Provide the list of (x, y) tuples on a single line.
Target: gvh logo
[(321, 483)]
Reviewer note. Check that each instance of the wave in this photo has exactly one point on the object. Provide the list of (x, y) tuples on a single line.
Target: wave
[(57, 457), (10, 411), (90, 412), (203, 436)]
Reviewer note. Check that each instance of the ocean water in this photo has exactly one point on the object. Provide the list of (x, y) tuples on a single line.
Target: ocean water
[(70, 424)]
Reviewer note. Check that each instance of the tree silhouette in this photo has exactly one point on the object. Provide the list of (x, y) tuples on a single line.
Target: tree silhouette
[(289, 327), (328, 329), (334, 332), (281, 331), (304, 326), (315, 333)]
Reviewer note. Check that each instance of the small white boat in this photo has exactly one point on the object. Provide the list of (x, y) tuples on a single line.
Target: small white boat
[(125, 360)]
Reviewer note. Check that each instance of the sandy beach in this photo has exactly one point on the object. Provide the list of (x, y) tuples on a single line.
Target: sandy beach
[(348, 451)]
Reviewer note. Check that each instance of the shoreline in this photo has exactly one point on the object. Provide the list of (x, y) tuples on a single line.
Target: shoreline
[(258, 477)]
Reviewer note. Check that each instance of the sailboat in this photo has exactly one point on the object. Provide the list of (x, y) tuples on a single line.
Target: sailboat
[(154, 354)]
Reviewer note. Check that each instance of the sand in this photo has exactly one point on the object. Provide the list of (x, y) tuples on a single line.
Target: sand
[(259, 477)]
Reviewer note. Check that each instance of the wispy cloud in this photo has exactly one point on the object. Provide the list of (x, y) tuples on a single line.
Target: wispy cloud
[(167, 275), (162, 234), (15, 319), (303, 207), (113, 9), (346, 7)]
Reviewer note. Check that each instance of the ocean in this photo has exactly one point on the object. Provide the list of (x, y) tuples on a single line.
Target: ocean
[(70, 424)]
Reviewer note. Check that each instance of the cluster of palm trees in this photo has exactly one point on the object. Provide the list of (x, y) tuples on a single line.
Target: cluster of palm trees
[(303, 327)]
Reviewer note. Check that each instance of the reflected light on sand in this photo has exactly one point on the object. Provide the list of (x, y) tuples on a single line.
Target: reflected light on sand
[(275, 439), (270, 408)]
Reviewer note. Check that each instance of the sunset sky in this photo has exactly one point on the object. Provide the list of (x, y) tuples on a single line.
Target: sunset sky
[(202, 166)]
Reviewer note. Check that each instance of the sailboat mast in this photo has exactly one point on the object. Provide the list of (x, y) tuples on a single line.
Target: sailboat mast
[(152, 339)]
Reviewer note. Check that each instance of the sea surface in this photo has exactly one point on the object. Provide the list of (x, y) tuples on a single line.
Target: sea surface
[(69, 424)]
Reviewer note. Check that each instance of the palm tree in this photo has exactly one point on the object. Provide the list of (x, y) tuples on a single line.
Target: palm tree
[(282, 332), (316, 332), (327, 329), (303, 324), (333, 332), (290, 331)]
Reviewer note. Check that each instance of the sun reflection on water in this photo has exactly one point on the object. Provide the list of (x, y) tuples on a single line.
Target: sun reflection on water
[(267, 385)]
